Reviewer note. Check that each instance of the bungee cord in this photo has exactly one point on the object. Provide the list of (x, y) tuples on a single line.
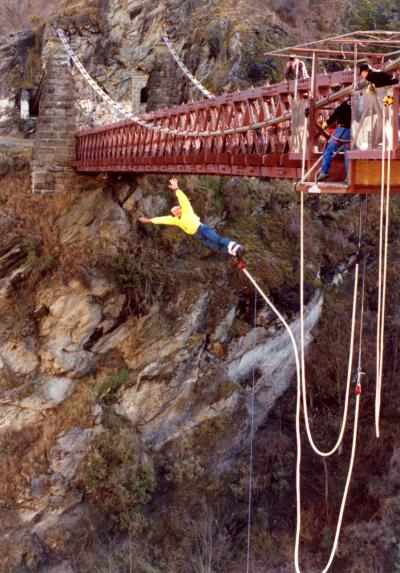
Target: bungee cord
[(382, 266), (242, 267)]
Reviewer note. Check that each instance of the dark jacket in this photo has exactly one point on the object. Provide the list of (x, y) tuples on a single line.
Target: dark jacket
[(291, 68), (341, 115), (381, 79)]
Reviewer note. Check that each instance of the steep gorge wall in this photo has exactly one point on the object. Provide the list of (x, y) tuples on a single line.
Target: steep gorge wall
[(128, 354)]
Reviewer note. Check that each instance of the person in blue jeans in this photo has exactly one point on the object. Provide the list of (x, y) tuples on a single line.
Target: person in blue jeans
[(339, 140), (186, 219)]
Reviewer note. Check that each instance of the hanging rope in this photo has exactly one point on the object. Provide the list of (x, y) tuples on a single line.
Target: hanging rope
[(359, 371), (184, 69), (382, 265), (302, 347), (379, 310), (250, 491), (242, 267), (345, 492)]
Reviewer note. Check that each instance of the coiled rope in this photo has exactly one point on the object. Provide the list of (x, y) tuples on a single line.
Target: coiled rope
[(302, 346), (184, 69), (298, 436)]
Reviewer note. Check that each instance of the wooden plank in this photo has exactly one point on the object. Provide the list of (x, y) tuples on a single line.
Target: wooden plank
[(367, 173), (322, 188)]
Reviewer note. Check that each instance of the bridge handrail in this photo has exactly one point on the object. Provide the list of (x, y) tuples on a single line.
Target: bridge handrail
[(207, 104)]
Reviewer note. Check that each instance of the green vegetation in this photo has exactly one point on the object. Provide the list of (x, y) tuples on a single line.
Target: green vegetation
[(118, 478), (184, 470), (112, 382), (134, 276)]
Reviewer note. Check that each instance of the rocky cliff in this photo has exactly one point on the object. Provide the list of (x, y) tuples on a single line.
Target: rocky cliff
[(133, 360)]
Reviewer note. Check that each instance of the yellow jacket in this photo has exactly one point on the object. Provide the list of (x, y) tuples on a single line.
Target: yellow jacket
[(188, 221)]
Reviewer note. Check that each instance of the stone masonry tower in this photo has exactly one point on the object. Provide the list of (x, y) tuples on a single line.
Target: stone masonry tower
[(164, 83), (54, 148)]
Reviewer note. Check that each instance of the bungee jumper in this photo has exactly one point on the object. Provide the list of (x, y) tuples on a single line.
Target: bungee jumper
[(186, 219), (340, 138)]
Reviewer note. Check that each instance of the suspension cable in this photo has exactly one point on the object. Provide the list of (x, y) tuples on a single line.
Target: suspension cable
[(184, 69), (212, 133), (158, 128)]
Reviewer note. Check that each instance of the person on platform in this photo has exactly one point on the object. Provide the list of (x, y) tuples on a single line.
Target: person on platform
[(377, 78), (185, 218), (295, 69), (341, 117)]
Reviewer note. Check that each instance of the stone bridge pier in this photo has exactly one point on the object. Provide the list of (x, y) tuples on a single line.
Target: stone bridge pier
[(54, 147)]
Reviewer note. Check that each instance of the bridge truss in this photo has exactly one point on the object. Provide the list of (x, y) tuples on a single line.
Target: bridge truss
[(256, 132)]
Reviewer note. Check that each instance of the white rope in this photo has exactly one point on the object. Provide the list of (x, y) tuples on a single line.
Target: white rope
[(211, 133), (352, 330), (215, 133), (184, 69), (379, 310), (298, 441), (302, 346), (344, 499), (296, 82), (382, 268)]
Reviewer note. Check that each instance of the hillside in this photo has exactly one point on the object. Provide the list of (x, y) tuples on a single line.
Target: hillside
[(135, 362)]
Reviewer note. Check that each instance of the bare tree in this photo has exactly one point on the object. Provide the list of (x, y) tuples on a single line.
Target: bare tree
[(211, 544)]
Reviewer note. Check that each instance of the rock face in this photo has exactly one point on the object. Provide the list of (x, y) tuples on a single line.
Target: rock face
[(162, 402), (142, 332), (20, 54), (185, 367)]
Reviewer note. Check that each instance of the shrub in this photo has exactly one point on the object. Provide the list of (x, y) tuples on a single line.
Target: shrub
[(132, 273), (117, 478), (184, 470), (112, 382), (4, 165)]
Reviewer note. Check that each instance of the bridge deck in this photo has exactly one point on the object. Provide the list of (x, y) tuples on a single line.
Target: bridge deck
[(254, 133)]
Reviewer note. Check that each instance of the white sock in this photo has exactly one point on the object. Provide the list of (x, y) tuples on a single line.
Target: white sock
[(230, 247), (235, 248)]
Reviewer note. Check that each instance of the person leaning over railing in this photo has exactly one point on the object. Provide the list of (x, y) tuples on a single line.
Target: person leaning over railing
[(377, 78), (341, 116), (295, 69)]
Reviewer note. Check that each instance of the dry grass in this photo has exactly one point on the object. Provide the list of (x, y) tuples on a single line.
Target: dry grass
[(76, 411), (18, 15), (36, 217), (26, 453)]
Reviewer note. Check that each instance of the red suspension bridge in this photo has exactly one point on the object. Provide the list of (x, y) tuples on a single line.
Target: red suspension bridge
[(268, 131)]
